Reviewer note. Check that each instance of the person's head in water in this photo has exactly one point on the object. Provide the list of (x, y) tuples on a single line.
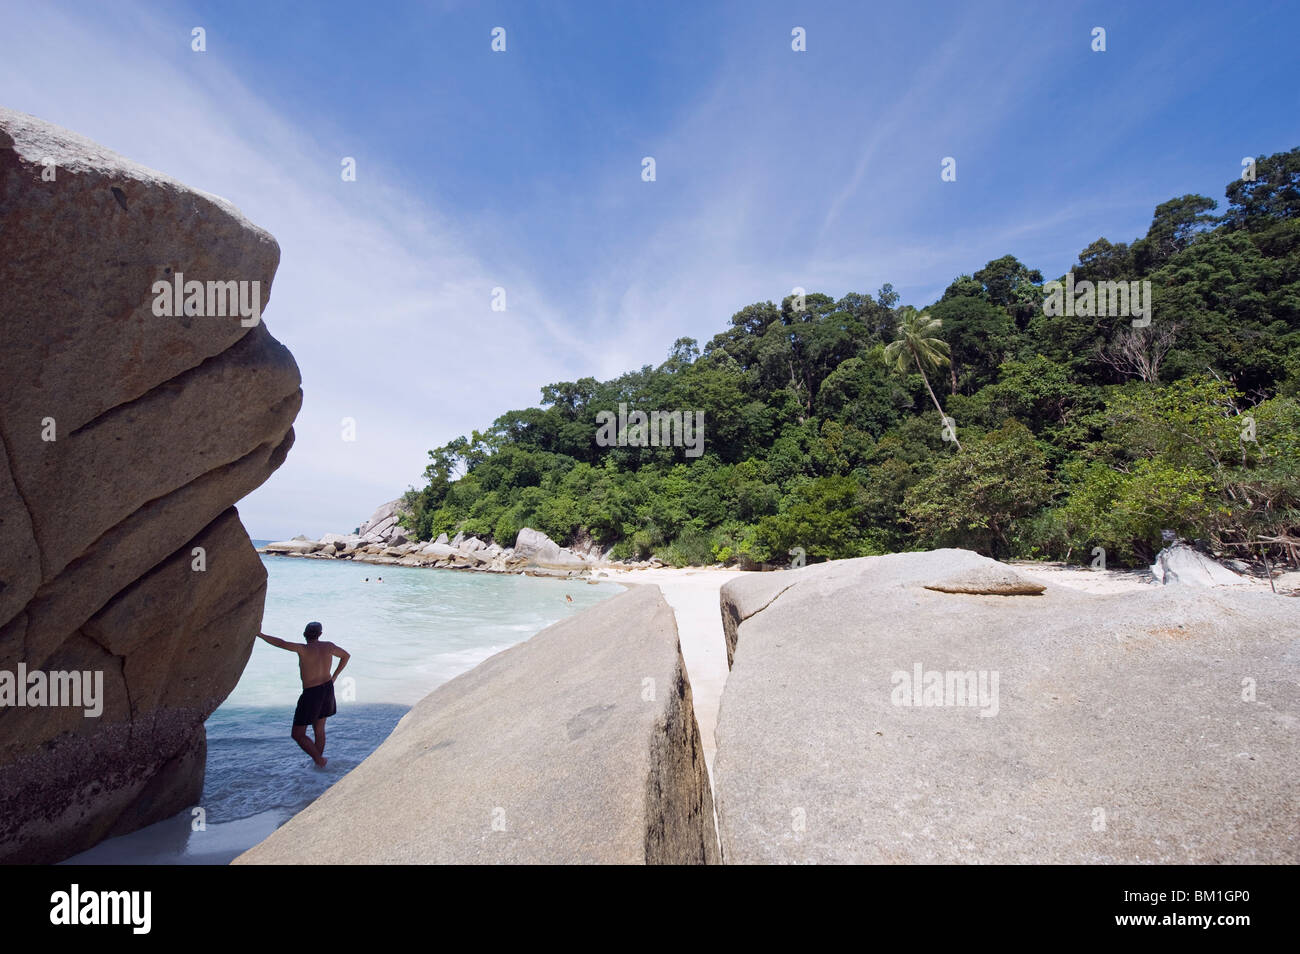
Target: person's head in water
[(312, 632)]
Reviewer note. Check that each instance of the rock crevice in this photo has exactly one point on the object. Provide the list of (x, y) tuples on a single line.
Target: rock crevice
[(577, 746)]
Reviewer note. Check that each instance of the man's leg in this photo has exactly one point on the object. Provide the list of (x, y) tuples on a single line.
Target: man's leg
[(300, 736), (318, 729)]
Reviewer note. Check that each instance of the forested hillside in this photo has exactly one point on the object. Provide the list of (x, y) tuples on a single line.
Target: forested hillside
[(1068, 432)]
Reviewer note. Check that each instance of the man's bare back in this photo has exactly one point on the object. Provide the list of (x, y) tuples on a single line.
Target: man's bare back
[(314, 661), (316, 704)]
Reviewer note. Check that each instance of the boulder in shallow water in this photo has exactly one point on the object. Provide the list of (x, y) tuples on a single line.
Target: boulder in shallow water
[(293, 547), (577, 746), (120, 551)]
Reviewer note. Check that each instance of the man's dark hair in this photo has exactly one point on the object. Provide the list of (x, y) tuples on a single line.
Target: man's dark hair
[(313, 631)]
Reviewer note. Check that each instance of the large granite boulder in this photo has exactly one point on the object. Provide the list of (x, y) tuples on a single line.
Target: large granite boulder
[(1180, 563), (126, 438), (383, 525), (540, 550), (868, 718), (579, 745), (473, 557), (438, 551), (293, 547)]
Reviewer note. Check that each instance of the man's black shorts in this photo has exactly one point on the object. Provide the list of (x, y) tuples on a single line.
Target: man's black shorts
[(315, 703)]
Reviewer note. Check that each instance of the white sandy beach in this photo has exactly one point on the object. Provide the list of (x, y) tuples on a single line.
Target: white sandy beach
[(693, 595), (1123, 581)]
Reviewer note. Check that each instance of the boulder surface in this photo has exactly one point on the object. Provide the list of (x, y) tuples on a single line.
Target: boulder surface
[(540, 550), (383, 526), (579, 745), (1183, 564), (125, 438), (868, 718)]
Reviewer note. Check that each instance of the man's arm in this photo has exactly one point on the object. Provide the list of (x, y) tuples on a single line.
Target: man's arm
[(280, 643), (343, 655)]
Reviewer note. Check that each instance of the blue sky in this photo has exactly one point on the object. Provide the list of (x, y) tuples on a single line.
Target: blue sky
[(522, 169)]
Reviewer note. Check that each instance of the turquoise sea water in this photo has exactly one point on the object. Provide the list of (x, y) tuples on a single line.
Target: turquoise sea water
[(407, 635)]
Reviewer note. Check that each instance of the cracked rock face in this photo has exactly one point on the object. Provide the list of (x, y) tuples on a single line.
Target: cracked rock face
[(125, 439)]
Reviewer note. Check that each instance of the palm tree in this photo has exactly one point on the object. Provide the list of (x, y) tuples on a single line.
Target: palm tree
[(917, 339)]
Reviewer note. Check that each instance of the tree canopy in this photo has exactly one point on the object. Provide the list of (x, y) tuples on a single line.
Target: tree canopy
[(824, 417)]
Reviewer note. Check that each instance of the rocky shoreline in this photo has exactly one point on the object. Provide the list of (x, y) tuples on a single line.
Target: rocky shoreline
[(381, 540), (928, 707)]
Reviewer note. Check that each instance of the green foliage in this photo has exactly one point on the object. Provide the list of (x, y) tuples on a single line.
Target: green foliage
[(1274, 194), (1175, 225), (693, 547), (979, 336), (974, 499), (823, 426), (824, 516), (1124, 512), (1183, 458)]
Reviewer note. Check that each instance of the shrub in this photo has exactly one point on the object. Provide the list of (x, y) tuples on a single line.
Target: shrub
[(976, 498)]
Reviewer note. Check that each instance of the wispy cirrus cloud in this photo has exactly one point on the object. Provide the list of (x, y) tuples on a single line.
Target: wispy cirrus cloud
[(384, 302), (775, 169)]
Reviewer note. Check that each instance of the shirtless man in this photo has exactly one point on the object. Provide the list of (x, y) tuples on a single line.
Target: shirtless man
[(316, 704)]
